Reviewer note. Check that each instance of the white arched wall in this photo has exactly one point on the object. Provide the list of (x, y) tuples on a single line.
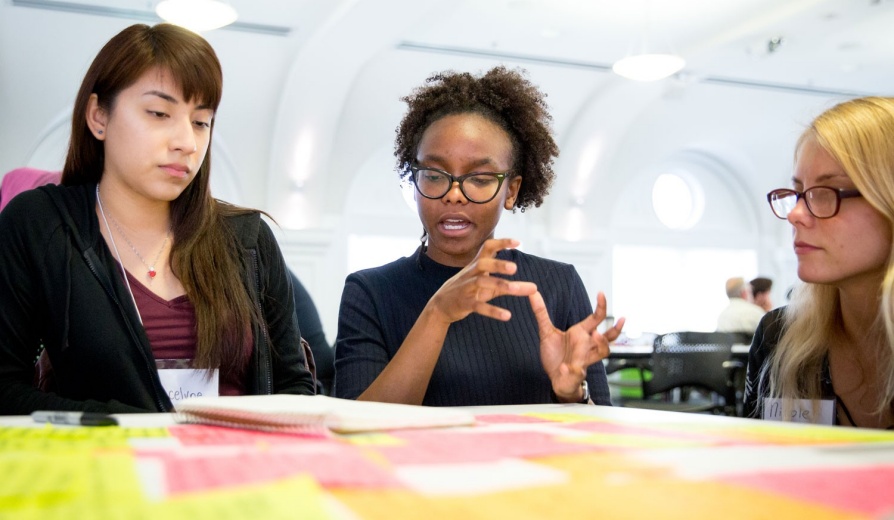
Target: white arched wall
[(626, 129), (576, 221), (728, 219), (587, 148), (314, 96)]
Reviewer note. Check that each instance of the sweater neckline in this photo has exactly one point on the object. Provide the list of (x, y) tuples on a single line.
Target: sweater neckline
[(425, 263)]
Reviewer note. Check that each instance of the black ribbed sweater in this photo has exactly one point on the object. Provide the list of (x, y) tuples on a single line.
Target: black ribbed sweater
[(484, 361)]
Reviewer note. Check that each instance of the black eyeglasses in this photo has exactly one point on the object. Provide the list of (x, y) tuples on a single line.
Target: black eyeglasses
[(478, 187), (822, 201)]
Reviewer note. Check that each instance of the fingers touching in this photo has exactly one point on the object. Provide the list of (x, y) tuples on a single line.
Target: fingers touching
[(471, 289), (487, 262), (494, 287)]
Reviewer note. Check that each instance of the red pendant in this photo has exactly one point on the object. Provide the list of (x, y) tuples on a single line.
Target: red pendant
[(152, 273)]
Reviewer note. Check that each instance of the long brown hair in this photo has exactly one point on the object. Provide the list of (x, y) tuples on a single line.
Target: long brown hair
[(205, 255)]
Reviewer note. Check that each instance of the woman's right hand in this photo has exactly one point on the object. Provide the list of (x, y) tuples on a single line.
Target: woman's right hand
[(470, 289)]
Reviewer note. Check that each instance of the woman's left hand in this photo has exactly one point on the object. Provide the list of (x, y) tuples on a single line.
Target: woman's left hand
[(567, 355)]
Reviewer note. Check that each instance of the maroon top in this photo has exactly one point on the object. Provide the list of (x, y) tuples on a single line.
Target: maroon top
[(171, 329)]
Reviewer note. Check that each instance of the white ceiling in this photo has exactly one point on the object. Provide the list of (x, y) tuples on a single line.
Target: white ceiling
[(354, 58), (840, 45), (826, 44)]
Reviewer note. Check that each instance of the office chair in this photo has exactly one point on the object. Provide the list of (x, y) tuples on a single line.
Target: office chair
[(685, 361)]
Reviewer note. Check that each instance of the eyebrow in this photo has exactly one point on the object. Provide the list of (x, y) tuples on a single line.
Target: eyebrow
[(824, 177), (486, 161), (171, 99)]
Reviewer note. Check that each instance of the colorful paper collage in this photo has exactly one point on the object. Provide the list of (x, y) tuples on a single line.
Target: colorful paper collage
[(516, 466)]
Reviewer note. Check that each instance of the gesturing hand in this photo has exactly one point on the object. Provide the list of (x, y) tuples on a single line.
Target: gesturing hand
[(566, 355), (470, 289)]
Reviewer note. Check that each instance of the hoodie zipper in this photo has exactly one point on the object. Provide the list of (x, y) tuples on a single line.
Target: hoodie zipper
[(158, 400), (104, 281), (262, 325)]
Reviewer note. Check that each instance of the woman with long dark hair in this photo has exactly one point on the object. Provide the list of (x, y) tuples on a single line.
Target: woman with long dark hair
[(140, 286)]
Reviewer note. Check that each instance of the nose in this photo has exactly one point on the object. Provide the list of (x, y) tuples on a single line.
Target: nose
[(183, 137), (799, 213), (455, 195)]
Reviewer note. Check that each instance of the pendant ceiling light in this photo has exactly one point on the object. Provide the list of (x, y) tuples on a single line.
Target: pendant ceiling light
[(197, 15), (648, 67), (646, 63)]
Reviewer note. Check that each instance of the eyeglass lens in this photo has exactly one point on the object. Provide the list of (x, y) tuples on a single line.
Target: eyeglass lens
[(477, 187), (822, 202)]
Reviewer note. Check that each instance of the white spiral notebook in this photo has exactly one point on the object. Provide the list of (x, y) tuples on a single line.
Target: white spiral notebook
[(312, 414)]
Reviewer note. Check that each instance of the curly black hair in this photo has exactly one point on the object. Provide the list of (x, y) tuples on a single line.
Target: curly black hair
[(505, 97)]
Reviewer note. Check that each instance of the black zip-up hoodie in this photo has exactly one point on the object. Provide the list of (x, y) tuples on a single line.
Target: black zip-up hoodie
[(61, 286)]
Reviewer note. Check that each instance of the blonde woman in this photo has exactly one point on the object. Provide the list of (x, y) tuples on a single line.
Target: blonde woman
[(827, 357)]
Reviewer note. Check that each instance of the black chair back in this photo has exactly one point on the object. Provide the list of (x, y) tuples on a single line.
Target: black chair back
[(693, 359)]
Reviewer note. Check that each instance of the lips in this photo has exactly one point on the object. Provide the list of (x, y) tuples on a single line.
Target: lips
[(454, 226), (804, 248), (176, 170)]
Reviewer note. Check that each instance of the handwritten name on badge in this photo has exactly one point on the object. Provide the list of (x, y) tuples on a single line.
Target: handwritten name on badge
[(801, 411), (182, 383)]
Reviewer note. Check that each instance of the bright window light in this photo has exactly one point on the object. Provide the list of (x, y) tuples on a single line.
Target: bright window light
[(663, 289), (374, 250), (678, 200)]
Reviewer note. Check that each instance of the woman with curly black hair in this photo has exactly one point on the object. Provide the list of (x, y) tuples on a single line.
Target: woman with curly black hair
[(447, 326)]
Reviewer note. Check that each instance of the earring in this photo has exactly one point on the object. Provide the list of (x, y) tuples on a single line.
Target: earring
[(99, 132), (422, 249)]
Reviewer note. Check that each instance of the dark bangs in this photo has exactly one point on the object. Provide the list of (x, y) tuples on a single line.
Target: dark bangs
[(191, 61)]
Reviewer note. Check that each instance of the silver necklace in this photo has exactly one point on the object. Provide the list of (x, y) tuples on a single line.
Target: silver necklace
[(151, 272), (102, 212)]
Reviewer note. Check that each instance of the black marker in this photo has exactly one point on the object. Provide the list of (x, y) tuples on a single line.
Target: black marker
[(75, 418)]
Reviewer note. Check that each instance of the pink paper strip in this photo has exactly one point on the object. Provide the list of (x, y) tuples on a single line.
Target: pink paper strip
[(864, 490)]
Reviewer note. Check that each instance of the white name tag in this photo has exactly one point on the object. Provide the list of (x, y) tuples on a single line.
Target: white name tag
[(802, 411), (181, 383)]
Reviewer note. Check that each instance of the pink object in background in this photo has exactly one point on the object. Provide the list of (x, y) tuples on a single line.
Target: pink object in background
[(22, 179)]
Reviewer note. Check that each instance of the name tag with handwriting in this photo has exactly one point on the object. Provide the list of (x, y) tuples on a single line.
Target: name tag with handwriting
[(802, 411), (181, 383)]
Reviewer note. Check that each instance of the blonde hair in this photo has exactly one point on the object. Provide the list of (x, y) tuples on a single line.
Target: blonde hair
[(859, 135)]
